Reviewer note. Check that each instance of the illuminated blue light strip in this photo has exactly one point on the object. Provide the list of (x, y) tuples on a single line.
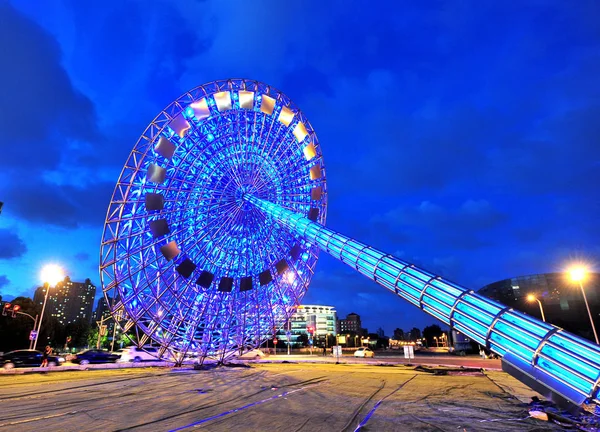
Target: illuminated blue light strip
[(511, 346), (481, 317), (484, 320), (569, 378), (586, 350), (440, 307), (577, 365), (434, 292), (449, 288), (516, 334), (482, 303), (462, 318), (470, 333), (538, 328)]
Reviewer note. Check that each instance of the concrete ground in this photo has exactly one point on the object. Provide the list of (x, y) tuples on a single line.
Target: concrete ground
[(265, 397)]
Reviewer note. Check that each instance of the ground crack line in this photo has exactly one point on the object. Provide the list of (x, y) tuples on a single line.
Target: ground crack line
[(379, 402)]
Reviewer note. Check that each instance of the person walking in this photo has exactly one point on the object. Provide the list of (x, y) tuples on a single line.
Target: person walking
[(324, 351), (47, 352)]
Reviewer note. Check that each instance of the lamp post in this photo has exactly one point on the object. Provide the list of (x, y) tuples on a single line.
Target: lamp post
[(51, 275), (436, 342), (577, 275), (531, 298)]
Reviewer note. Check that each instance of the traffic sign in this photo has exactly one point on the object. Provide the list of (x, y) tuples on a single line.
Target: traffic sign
[(275, 341), (33, 334)]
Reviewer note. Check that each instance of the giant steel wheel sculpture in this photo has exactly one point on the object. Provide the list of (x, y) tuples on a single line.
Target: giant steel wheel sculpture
[(194, 266), (214, 228)]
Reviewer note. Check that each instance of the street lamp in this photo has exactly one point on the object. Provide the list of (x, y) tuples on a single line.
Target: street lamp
[(578, 274), (531, 298), (436, 341), (51, 275)]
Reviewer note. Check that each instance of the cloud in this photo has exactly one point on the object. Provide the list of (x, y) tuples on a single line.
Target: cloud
[(82, 256), (4, 281), (39, 116), (464, 226), (64, 206), (11, 245)]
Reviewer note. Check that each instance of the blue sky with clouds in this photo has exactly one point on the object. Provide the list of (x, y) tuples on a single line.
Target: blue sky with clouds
[(460, 135)]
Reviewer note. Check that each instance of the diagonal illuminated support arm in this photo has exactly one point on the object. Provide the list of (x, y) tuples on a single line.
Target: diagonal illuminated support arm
[(562, 362)]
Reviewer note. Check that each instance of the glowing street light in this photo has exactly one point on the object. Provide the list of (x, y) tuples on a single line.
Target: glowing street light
[(51, 275), (531, 298), (578, 274)]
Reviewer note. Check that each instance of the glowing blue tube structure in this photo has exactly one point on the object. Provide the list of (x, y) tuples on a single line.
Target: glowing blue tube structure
[(537, 352)]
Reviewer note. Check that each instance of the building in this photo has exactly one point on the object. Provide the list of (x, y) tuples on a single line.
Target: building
[(310, 322), (102, 310), (350, 325), (561, 299), (69, 301)]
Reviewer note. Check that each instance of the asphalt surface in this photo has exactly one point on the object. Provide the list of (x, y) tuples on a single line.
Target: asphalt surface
[(263, 396)]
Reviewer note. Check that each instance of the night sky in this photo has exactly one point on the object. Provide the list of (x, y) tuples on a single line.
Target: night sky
[(463, 136)]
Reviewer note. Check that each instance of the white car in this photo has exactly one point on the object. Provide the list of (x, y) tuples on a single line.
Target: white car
[(136, 355), (252, 355), (364, 352)]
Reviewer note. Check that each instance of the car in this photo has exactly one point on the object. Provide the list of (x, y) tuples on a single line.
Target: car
[(136, 355), (95, 356), (364, 352), (27, 358), (253, 354)]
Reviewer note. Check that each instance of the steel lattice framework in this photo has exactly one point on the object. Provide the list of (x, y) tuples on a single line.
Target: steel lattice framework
[(190, 264), (214, 229)]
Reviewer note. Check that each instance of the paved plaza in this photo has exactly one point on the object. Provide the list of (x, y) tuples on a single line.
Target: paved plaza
[(265, 397)]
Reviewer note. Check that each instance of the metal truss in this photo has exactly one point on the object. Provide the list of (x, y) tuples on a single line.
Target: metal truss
[(561, 362), (191, 265)]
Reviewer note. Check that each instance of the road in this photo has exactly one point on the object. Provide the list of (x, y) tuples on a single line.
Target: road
[(426, 359), (261, 397)]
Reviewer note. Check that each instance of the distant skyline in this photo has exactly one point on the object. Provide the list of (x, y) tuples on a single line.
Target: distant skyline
[(461, 136)]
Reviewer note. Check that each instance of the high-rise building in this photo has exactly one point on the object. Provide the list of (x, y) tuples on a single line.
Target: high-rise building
[(319, 319), (102, 309), (351, 324), (69, 301)]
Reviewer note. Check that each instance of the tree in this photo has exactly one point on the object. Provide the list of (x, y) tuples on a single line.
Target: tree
[(14, 332), (399, 334), (92, 339), (78, 332), (415, 334), (303, 339), (430, 332), (380, 332)]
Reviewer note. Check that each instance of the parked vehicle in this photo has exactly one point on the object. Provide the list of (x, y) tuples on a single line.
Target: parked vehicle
[(254, 354), (136, 355), (95, 356), (27, 358), (364, 352)]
